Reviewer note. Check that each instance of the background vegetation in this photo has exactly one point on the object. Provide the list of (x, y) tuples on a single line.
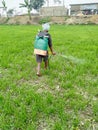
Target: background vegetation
[(66, 96)]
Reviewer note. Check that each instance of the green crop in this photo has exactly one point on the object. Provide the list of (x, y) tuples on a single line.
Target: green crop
[(66, 96)]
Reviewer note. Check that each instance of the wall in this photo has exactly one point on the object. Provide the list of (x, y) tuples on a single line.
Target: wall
[(53, 11)]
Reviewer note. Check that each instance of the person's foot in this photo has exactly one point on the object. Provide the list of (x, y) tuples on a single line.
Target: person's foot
[(39, 75)]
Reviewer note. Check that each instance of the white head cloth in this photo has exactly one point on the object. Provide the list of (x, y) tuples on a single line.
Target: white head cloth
[(46, 26)]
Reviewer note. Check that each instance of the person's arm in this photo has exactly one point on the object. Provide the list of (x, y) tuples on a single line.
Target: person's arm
[(51, 49), (50, 45)]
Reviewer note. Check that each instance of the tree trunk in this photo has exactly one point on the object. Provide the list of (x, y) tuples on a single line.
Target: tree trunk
[(29, 14)]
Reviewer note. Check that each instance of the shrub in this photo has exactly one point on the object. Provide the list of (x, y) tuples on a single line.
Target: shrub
[(44, 20)]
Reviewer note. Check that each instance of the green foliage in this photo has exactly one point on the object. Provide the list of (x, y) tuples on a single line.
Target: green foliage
[(10, 12), (4, 4), (27, 4), (37, 4), (44, 20), (31, 4), (67, 17), (66, 96)]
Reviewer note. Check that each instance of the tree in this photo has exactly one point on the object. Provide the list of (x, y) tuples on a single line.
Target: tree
[(37, 4), (27, 4), (31, 4), (4, 6), (10, 12)]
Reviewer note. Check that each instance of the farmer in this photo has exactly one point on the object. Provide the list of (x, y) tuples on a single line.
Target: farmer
[(40, 57)]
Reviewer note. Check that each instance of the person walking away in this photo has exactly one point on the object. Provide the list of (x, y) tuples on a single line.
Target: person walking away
[(42, 42)]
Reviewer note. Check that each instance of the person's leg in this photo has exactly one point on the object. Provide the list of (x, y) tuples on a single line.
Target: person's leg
[(38, 68), (39, 60), (46, 62)]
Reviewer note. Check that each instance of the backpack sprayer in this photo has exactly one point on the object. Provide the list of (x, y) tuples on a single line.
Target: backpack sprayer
[(41, 41), (41, 44)]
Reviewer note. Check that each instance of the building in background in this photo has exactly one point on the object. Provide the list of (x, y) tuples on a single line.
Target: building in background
[(85, 9), (53, 11), (71, 10), (53, 8)]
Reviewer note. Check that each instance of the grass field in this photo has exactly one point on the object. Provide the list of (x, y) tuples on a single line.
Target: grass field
[(66, 96)]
